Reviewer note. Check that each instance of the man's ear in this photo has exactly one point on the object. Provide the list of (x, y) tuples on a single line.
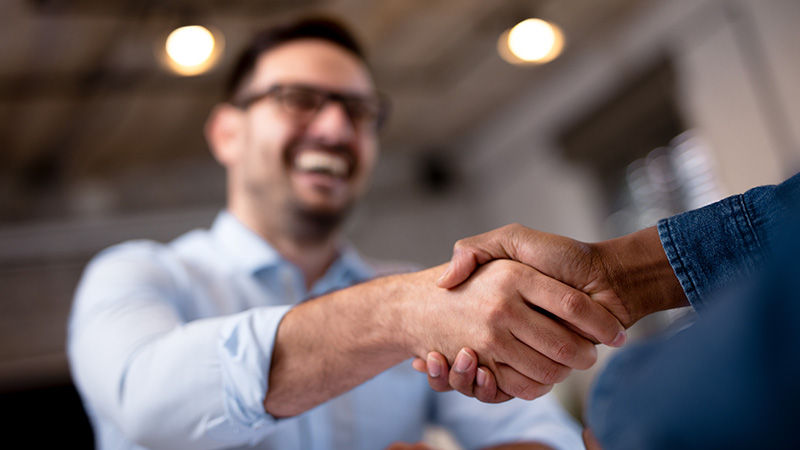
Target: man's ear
[(224, 133)]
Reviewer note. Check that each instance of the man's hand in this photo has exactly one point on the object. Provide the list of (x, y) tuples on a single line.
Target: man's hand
[(628, 276), (466, 377), (504, 312), (497, 314)]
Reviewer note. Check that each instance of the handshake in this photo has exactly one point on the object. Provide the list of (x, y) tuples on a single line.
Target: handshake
[(514, 312), (527, 307)]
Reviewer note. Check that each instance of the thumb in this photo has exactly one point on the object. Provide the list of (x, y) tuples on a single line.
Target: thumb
[(473, 251), (461, 266)]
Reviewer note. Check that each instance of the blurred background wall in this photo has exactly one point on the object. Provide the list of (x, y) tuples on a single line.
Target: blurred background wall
[(655, 106)]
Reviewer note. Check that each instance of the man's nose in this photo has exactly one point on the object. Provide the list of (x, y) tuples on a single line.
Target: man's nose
[(332, 122)]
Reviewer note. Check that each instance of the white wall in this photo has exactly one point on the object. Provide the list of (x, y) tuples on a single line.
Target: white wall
[(734, 75)]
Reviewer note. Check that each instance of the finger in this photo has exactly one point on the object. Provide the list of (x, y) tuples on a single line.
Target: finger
[(464, 371), (570, 305), (486, 387), (533, 364), (590, 441), (419, 365), (541, 338), (471, 252), (562, 258), (515, 384), (438, 372), (461, 266), (550, 337)]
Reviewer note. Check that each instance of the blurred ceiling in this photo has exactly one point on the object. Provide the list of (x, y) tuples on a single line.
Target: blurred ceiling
[(85, 102)]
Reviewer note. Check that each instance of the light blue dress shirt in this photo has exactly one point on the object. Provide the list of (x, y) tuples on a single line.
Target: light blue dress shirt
[(170, 347)]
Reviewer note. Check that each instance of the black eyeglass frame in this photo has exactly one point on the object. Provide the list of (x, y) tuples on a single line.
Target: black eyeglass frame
[(381, 101)]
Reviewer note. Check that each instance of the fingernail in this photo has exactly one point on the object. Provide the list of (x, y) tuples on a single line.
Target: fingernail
[(434, 368), (481, 377), (444, 275), (619, 341), (463, 361)]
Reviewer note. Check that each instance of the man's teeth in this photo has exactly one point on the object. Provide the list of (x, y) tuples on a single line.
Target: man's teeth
[(310, 161)]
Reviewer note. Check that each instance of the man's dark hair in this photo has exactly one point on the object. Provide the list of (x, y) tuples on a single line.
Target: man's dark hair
[(314, 28)]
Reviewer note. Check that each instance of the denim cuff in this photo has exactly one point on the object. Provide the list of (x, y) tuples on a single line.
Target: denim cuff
[(712, 247)]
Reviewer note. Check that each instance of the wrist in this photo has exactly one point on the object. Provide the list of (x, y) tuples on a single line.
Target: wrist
[(639, 272), (408, 311)]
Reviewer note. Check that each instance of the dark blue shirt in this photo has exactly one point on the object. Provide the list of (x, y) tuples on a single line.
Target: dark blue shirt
[(731, 380)]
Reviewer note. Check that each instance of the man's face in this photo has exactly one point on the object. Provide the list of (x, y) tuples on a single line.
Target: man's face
[(318, 165)]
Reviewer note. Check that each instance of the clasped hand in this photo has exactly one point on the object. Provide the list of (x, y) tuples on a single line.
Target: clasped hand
[(552, 294)]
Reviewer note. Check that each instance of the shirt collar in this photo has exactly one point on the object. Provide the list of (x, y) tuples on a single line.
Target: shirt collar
[(249, 250), (253, 253), (351, 264)]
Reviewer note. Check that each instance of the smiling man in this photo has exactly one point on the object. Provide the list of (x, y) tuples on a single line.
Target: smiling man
[(268, 330)]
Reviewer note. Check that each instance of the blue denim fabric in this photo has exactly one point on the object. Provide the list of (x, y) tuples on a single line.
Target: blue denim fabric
[(722, 243), (729, 380)]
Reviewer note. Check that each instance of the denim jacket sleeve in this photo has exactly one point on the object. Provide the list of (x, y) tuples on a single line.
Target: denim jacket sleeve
[(719, 244), (730, 379)]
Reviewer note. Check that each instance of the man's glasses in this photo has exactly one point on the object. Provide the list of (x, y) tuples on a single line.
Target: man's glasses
[(303, 102)]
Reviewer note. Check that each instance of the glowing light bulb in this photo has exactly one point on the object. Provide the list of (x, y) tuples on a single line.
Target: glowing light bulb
[(191, 50), (532, 41)]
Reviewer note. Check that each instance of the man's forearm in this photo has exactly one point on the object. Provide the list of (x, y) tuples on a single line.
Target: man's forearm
[(331, 344), (640, 272)]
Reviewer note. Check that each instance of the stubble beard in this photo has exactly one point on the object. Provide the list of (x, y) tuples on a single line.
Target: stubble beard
[(310, 226)]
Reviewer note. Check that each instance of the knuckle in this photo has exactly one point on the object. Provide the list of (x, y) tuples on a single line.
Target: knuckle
[(574, 303), (554, 374), (487, 396), (519, 389), (516, 233), (566, 352), (526, 391), (543, 389), (497, 312), (505, 274), (536, 391)]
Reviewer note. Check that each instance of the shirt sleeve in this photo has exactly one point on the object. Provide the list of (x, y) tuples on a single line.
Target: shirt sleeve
[(717, 245), (730, 379), (478, 425), (165, 382)]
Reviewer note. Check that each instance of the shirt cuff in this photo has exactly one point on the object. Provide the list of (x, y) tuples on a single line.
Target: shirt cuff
[(710, 247), (245, 349)]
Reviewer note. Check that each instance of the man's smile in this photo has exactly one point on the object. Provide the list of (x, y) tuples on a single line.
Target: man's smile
[(322, 162)]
